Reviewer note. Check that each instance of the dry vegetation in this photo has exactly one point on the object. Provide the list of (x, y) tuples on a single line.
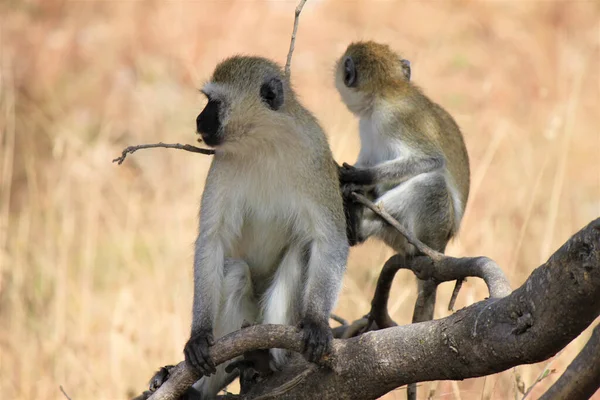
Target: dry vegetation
[(96, 259)]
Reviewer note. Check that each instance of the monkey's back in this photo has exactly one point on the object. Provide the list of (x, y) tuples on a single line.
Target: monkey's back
[(427, 120), (455, 150)]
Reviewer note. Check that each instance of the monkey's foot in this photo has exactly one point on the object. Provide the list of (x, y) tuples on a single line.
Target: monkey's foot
[(317, 339), (252, 368)]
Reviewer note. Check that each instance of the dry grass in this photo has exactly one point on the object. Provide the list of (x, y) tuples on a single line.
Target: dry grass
[(95, 259)]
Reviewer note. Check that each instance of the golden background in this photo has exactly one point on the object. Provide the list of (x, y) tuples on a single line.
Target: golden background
[(96, 259)]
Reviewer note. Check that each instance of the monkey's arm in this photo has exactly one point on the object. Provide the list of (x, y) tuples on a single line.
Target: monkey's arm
[(208, 276), (326, 266), (390, 172)]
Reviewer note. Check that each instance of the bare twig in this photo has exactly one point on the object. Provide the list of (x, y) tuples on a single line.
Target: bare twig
[(452, 302), (187, 147), (65, 393), (288, 63), (420, 246), (581, 379), (338, 319), (543, 375)]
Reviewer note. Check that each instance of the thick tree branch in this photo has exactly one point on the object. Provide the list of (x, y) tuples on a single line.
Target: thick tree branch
[(581, 379), (187, 147), (527, 326)]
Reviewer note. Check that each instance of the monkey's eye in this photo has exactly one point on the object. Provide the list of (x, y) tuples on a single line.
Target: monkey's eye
[(349, 72), (271, 92), (405, 69)]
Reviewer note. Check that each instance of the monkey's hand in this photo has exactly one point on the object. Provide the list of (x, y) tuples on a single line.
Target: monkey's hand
[(348, 189), (357, 176), (317, 338), (196, 352)]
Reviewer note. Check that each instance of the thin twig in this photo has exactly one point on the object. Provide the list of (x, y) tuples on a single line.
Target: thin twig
[(186, 147), (65, 393), (581, 379), (338, 319), (293, 41), (543, 375), (420, 246), (457, 287)]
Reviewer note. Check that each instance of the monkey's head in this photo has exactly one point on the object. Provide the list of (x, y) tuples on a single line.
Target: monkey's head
[(247, 97), (368, 70)]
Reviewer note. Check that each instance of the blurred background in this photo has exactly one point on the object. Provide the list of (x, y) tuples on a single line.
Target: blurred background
[(96, 259)]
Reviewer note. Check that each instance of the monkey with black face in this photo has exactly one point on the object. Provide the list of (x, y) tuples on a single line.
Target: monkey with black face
[(412, 161), (271, 246)]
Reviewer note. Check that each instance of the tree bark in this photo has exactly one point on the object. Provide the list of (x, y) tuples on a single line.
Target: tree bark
[(530, 325)]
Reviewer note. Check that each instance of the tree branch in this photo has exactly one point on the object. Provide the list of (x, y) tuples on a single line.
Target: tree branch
[(581, 379), (527, 326), (288, 63), (187, 147), (254, 337)]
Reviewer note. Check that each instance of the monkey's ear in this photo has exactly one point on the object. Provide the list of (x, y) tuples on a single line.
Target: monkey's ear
[(405, 64), (271, 92), (349, 72)]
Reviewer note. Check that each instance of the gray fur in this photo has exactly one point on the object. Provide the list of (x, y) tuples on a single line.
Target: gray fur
[(412, 154), (272, 245)]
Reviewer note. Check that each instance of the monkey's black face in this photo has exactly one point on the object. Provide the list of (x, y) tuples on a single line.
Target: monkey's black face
[(208, 123), (350, 75)]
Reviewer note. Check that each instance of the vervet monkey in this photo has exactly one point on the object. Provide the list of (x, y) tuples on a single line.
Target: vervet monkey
[(272, 245), (412, 161)]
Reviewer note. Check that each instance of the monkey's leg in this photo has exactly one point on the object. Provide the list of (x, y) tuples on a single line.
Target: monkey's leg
[(238, 304), (282, 299)]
